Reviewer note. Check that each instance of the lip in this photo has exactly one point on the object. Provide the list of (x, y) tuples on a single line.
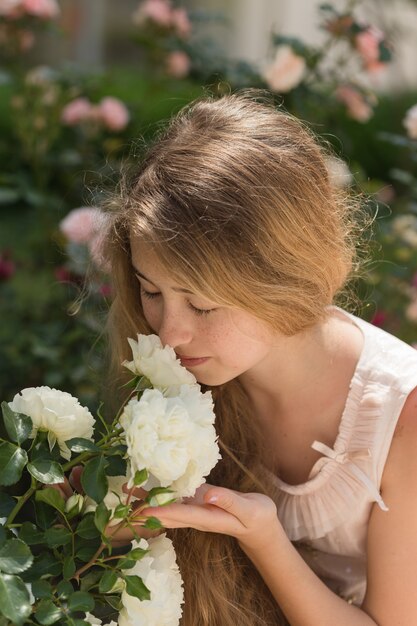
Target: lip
[(192, 361)]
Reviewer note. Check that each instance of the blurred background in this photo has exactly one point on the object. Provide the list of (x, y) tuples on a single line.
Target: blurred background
[(85, 84)]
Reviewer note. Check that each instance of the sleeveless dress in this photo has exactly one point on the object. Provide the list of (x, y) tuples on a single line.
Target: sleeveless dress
[(327, 516)]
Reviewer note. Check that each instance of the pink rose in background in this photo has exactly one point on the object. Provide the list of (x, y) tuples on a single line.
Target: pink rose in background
[(158, 11), (178, 64), (379, 318), (367, 44), (181, 22), (410, 122), (9, 8), (286, 71), (411, 310), (15, 9), (357, 107), (46, 9), (110, 112), (113, 113), (81, 225), (76, 111), (7, 266)]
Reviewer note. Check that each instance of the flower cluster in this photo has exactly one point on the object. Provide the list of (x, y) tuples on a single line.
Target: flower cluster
[(69, 484), (16, 9), (110, 113), (162, 14)]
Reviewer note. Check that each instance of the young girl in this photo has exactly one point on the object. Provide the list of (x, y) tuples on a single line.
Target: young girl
[(231, 244)]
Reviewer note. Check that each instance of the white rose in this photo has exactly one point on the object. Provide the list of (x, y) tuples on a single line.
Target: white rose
[(410, 122), (173, 438), (57, 412), (157, 363), (339, 172), (159, 572)]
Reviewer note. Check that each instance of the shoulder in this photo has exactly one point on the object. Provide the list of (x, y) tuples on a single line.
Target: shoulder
[(402, 456)]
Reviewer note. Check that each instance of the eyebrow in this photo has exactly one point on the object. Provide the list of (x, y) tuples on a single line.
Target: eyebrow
[(149, 281)]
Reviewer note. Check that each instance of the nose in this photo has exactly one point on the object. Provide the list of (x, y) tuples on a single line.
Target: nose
[(175, 329)]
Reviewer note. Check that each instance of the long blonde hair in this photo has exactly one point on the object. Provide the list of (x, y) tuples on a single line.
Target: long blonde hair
[(235, 198)]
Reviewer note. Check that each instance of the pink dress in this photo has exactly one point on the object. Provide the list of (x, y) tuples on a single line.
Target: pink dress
[(327, 516)]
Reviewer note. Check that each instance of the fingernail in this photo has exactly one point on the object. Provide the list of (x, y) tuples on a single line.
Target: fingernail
[(213, 499)]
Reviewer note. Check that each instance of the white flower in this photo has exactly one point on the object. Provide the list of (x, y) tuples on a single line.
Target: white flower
[(74, 503), (339, 172), (159, 572), (157, 363), (286, 71), (57, 412), (173, 438), (405, 226), (410, 122)]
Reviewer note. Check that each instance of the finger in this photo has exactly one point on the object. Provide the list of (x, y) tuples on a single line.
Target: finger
[(203, 517), (121, 535), (137, 492), (75, 478)]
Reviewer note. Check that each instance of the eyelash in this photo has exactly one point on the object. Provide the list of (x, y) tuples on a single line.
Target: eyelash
[(150, 295)]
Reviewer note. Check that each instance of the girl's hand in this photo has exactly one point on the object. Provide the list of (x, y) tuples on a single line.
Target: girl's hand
[(249, 517)]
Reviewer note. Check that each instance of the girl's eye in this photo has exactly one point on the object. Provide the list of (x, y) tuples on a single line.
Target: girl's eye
[(199, 311), (149, 294)]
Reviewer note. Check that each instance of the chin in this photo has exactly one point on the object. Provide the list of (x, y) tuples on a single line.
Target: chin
[(213, 380)]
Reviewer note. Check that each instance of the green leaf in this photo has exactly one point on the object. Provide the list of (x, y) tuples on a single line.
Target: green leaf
[(47, 612), (30, 534), (137, 554), (126, 563), (41, 589), (64, 589), (86, 552), (152, 523), (137, 588), (87, 528), (7, 504), (107, 582), (94, 480), (46, 471), (115, 602), (14, 599), (45, 564), (3, 535), (121, 511), (90, 579), (51, 497), (101, 516), (57, 537), (69, 567), (116, 466), (12, 461), (141, 476), (18, 426), (45, 515), (81, 601), (79, 444), (15, 557)]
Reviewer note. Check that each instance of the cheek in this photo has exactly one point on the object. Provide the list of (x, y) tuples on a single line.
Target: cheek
[(152, 315)]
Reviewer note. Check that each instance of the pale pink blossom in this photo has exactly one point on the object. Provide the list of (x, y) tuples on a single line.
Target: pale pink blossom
[(80, 225), (410, 122), (367, 44), (181, 22), (8, 8), (339, 172), (357, 106), (113, 113), (76, 111), (178, 64), (46, 9), (286, 71), (158, 11)]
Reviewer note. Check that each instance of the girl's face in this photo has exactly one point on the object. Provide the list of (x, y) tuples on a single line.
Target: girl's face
[(216, 343)]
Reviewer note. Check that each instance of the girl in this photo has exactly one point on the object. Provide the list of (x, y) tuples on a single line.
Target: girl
[(231, 244)]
